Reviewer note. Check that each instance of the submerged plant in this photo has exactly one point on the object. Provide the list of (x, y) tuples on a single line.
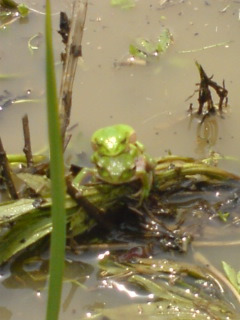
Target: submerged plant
[(167, 289), (143, 48), (232, 275), (10, 11)]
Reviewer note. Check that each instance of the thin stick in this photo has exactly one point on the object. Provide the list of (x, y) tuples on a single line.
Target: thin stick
[(225, 44), (27, 141), (6, 172), (73, 52), (215, 243), (102, 246), (216, 274)]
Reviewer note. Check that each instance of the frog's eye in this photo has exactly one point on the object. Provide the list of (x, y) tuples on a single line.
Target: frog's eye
[(133, 137)]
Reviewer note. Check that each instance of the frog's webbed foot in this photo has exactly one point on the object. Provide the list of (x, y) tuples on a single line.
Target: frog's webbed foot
[(144, 191), (144, 172), (140, 196)]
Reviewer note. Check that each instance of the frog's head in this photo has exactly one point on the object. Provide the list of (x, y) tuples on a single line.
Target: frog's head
[(113, 140), (115, 170)]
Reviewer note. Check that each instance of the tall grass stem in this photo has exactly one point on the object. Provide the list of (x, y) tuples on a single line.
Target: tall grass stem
[(58, 236)]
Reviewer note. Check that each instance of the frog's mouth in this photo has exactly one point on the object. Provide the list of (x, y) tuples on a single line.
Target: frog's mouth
[(116, 178)]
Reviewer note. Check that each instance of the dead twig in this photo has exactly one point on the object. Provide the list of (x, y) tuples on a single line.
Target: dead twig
[(72, 33), (64, 27), (27, 141), (205, 96), (206, 106), (6, 173)]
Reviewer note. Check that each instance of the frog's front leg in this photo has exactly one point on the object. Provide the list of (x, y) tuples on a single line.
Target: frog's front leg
[(144, 172), (83, 177)]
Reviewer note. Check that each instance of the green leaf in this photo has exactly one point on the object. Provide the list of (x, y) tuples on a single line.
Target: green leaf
[(232, 275), (223, 215), (27, 231), (31, 224), (238, 278), (9, 3), (164, 41), (143, 48), (40, 184), (22, 158), (80, 223), (135, 52), (147, 46), (124, 4), (178, 290), (12, 210), (23, 10)]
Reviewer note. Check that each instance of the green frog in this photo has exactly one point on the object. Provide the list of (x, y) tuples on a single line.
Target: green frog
[(119, 158)]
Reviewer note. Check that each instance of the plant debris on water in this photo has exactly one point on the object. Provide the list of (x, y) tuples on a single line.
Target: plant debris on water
[(143, 51), (10, 11), (123, 4)]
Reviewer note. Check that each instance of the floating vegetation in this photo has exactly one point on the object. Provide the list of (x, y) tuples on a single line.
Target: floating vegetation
[(123, 4), (165, 288), (221, 44), (143, 51), (33, 42), (98, 203), (205, 96), (10, 11), (8, 76), (7, 99), (233, 276), (34, 272)]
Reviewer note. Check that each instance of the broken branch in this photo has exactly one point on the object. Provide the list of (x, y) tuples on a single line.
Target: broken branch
[(27, 141), (6, 172)]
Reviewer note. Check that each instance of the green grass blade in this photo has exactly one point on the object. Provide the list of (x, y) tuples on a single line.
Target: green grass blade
[(58, 235)]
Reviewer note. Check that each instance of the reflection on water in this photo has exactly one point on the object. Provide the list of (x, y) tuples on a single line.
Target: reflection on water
[(151, 98), (206, 136), (5, 313)]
